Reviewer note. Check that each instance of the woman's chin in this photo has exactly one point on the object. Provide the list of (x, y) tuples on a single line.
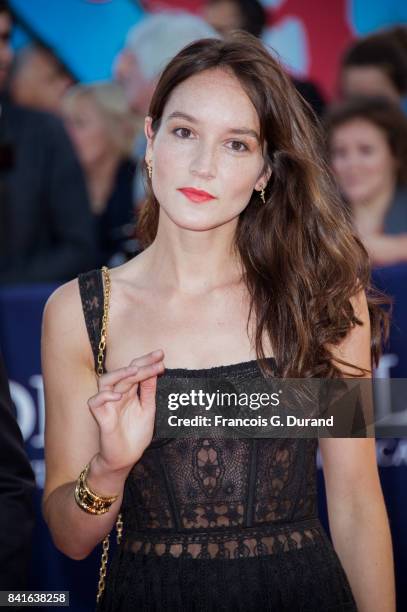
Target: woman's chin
[(199, 221), (197, 226), (356, 195)]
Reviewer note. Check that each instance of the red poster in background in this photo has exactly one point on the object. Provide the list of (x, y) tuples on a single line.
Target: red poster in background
[(328, 34), (325, 24), (194, 6)]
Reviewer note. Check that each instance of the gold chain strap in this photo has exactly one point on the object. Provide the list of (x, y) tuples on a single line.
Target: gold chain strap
[(102, 347), (103, 332)]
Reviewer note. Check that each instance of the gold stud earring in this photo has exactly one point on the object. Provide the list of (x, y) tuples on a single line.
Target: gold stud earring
[(150, 170), (262, 195)]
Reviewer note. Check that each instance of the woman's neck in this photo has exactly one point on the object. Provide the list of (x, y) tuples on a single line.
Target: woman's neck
[(369, 213), (100, 178), (193, 262)]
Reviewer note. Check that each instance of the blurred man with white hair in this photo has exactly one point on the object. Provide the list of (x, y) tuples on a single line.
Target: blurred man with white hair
[(149, 47)]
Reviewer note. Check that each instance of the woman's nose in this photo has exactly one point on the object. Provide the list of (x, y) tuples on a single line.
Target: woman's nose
[(347, 161), (203, 163)]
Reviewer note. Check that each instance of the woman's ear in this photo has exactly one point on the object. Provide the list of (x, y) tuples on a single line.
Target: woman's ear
[(268, 174), (149, 134), (263, 179)]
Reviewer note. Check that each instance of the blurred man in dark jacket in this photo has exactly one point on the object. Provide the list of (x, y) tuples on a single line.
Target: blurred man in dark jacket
[(16, 507), (46, 227)]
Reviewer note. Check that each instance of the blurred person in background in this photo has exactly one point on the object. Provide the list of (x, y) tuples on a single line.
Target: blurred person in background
[(367, 143), (39, 79), (102, 129), (249, 15), (227, 15), (149, 46), (398, 35), (375, 65), (17, 484), (46, 227), (6, 54)]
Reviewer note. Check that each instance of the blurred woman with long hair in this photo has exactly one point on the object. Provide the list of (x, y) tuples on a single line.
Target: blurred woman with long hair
[(102, 128)]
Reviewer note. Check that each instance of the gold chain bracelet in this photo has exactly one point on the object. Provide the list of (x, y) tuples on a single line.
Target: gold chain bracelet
[(89, 501)]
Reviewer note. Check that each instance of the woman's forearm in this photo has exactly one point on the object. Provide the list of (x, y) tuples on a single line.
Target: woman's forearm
[(362, 539), (74, 531)]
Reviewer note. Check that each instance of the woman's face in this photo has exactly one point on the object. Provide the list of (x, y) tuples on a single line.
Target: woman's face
[(223, 16), (87, 128), (362, 160), (208, 140)]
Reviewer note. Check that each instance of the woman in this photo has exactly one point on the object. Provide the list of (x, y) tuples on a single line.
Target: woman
[(246, 246), (367, 142), (102, 129)]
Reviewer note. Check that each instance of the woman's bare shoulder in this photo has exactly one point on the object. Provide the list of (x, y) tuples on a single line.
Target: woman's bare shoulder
[(64, 304), (64, 322)]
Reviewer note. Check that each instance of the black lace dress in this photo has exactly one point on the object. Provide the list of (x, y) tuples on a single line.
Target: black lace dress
[(216, 524)]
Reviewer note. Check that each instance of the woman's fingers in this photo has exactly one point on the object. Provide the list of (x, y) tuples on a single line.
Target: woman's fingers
[(110, 379), (124, 385), (148, 358), (102, 397), (147, 393), (107, 381)]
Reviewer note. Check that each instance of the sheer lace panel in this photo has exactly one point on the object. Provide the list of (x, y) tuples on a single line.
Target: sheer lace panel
[(221, 483), (286, 480), (228, 544), (91, 292)]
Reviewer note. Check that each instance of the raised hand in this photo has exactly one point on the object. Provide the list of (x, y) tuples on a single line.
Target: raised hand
[(124, 409)]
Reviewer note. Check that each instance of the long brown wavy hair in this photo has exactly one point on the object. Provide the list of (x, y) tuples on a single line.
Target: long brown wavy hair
[(301, 259)]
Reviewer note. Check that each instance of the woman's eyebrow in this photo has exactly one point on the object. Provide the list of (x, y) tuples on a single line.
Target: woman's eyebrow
[(240, 131), (180, 115)]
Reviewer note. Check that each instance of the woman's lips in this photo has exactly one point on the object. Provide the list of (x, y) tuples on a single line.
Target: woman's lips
[(196, 195)]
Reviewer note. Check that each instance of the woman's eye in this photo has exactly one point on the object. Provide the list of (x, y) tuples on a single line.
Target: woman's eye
[(182, 132), (338, 153), (366, 149), (238, 146)]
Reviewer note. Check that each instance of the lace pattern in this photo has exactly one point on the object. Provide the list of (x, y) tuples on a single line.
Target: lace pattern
[(91, 292), (205, 483), (306, 579), (227, 543)]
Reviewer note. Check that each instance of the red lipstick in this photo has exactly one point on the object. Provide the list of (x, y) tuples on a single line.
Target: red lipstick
[(196, 195)]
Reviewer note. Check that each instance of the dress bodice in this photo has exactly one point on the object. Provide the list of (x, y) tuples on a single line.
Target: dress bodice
[(214, 492)]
